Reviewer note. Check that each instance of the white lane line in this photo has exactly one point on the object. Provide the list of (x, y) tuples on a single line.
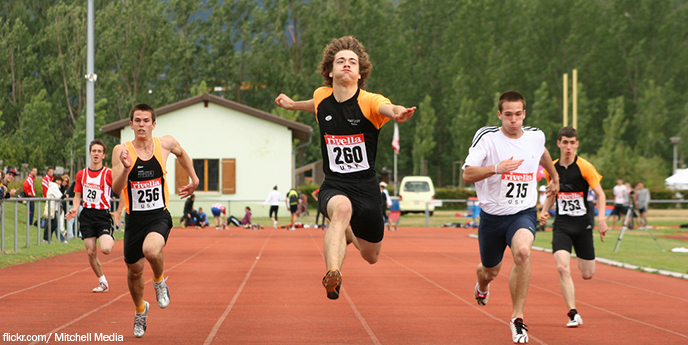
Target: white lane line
[(56, 279), (119, 297), (469, 303), (360, 317), (222, 318)]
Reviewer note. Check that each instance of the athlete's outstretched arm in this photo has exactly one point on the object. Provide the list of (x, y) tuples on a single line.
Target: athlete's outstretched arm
[(546, 162), (121, 162), (397, 113), (287, 103), (169, 142), (601, 216)]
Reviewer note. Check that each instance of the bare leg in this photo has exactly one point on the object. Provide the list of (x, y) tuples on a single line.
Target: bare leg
[(152, 250), (135, 281), (339, 210), (563, 260), (90, 244), (486, 275), (519, 278)]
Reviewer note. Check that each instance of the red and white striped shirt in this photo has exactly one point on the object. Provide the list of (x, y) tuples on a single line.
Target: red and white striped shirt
[(220, 207), (94, 187), (46, 184)]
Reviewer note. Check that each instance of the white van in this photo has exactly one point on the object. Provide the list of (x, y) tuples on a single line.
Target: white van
[(414, 194)]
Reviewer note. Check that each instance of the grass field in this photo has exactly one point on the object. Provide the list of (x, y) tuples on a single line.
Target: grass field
[(636, 248)]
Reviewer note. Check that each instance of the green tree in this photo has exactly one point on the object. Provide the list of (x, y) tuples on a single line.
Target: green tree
[(424, 140)]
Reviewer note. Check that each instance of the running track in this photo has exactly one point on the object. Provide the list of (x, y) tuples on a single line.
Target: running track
[(263, 287)]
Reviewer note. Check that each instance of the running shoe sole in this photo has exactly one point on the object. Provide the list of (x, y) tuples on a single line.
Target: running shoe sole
[(332, 281)]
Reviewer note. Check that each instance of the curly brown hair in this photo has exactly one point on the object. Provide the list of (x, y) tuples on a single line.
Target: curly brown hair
[(345, 43)]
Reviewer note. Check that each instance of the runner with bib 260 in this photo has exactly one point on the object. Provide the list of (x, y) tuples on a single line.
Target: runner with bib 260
[(350, 119)]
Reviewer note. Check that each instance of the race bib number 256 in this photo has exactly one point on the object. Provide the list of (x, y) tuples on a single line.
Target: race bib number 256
[(147, 195)]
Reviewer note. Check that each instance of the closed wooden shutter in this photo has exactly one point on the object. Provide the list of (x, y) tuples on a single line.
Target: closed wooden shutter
[(228, 175), (181, 178)]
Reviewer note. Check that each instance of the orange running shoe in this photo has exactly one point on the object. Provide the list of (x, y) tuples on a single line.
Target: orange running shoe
[(332, 281)]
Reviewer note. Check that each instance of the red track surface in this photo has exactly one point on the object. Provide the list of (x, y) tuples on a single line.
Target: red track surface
[(263, 287)]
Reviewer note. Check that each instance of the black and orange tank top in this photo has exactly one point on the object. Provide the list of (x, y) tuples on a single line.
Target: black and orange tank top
[(349, 132), (146, 190)]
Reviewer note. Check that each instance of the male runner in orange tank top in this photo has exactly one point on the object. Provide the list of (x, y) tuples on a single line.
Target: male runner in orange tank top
[(138, 170)]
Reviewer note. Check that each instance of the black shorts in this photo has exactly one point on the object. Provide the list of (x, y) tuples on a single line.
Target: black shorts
[(574, 234), (95, 223), (293, 208), (138, 227), (619, 210), (273, 208), (364, 195), (496, 232)]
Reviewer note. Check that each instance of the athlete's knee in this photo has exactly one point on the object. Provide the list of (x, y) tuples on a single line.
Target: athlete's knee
[(106, 250), (521, 254), (371, 258), (92, 253), (564, 270)]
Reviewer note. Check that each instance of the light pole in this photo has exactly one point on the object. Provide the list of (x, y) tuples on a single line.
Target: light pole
[(460, 162), (675, 141)]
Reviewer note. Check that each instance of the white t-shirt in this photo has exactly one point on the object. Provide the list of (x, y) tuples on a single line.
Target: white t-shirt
[(273, 198), (510, 193), (620, 194)]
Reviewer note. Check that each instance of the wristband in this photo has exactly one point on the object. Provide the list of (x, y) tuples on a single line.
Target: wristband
[(496, 168)]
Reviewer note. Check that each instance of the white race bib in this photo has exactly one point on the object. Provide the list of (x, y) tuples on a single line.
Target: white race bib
[(571, 204), (92, 194), (517, 190), (147, 195), (347, 153)]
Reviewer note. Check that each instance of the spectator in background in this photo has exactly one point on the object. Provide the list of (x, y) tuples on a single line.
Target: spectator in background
[(190, 215), (386, 200), (71, 229), (317, 211), (620, 202), (64, 187), (30, 192), (245, 222), (293, 206), (47, 179), (273, 199), (202, 218), (219, 211), (51, 211), (642, 202), (6, 180)]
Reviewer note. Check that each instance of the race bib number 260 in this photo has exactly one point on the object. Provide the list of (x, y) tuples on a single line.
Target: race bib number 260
[(347, 153), (517, 189)]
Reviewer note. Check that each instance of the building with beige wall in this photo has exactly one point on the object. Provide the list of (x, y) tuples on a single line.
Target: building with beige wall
[(239, 153)]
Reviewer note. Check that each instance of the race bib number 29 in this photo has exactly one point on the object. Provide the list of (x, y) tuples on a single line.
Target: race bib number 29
[(517, 189), (347, 153), (147, 195)]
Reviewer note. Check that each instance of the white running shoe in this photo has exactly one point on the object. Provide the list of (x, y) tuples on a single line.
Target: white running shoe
[(481, 298), (162, 293), (140, 322), (519, 331), (101, 288), (575, 319)]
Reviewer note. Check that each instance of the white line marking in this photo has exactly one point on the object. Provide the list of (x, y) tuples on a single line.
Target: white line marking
[(56, 279), (222, 318)]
